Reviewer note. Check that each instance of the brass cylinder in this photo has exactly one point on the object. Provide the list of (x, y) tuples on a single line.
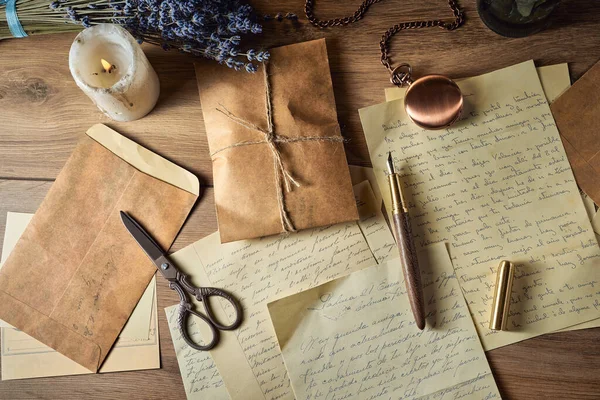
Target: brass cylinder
[(398, 203), (501, 303)]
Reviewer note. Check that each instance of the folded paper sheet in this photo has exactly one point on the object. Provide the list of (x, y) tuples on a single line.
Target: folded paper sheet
[(355, 337), (251, 156), (359, 174), (83, 273), (24, 357), (497, 185), (261, 270)]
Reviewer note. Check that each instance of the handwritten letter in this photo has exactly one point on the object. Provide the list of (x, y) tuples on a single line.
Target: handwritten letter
[(498, 185), (355, 337), (372, 223), (261, 270), (198, 371), (258, 271)]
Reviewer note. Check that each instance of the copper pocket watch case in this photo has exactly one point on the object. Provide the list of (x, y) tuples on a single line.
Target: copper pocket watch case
[(431, 102)]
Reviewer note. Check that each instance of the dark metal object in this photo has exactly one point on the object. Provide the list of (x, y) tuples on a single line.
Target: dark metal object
[(516, 18), (459, 19), (178, 282), (406, 246), (436, 101)]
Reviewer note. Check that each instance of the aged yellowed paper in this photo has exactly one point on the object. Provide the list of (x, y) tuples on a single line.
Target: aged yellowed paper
[(15, 226), (372, 223), (555, 79), (497, 185), (261, 270), (199, 373), (24, 357), (590, 207), (359, 174), (355, 337)]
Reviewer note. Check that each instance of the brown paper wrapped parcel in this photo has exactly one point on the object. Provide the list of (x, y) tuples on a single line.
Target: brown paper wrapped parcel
[(278, 157)]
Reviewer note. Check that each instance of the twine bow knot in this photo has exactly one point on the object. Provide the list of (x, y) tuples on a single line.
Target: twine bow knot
[(282, 174)]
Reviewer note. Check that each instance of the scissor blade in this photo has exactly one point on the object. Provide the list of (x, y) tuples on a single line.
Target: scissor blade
[(142, 237)]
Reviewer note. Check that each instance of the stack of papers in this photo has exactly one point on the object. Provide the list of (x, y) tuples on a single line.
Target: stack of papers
[(251, 364), (326, 312), (497, 183)]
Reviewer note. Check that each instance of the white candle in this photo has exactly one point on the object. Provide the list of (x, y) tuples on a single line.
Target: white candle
[(110, 67)]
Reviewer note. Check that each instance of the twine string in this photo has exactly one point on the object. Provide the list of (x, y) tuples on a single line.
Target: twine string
[(283, 176)]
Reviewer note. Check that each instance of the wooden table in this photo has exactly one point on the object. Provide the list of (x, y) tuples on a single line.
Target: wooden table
[(43, 114)]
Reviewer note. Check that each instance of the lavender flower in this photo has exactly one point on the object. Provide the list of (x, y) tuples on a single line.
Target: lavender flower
[(207, 28)]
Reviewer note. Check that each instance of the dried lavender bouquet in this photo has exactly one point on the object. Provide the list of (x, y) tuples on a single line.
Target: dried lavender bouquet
[(207, 28)]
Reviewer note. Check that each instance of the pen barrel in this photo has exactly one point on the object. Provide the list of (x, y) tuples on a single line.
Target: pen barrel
[(410, 266)]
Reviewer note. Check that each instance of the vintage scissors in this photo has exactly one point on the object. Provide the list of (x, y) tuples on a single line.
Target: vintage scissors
[(178, 282)]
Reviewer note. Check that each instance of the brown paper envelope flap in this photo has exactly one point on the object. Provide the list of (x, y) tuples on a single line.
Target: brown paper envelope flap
[(47, 330), (585, 174), (577, 116), (577, 113), (144, 160), (76, 264)]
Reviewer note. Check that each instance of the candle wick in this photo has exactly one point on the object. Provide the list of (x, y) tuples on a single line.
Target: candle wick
[(107, 67)]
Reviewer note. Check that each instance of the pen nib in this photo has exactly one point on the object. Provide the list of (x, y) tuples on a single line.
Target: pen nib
[(390, 164)]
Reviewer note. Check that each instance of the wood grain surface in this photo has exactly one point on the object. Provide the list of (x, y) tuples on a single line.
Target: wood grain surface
[(43, 113)]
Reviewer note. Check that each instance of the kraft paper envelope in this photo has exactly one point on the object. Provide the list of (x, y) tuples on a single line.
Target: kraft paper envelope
[(76, 274), (24, 357), (138, 324), (577, 115)]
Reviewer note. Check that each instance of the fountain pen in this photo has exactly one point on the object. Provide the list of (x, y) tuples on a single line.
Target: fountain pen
[(406, 246)]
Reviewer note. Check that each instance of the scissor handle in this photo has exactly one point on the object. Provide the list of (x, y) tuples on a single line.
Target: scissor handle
[(185, 309), (202, 294)]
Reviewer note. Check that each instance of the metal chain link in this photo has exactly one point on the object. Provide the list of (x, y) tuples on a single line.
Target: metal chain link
[(384, 44)]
